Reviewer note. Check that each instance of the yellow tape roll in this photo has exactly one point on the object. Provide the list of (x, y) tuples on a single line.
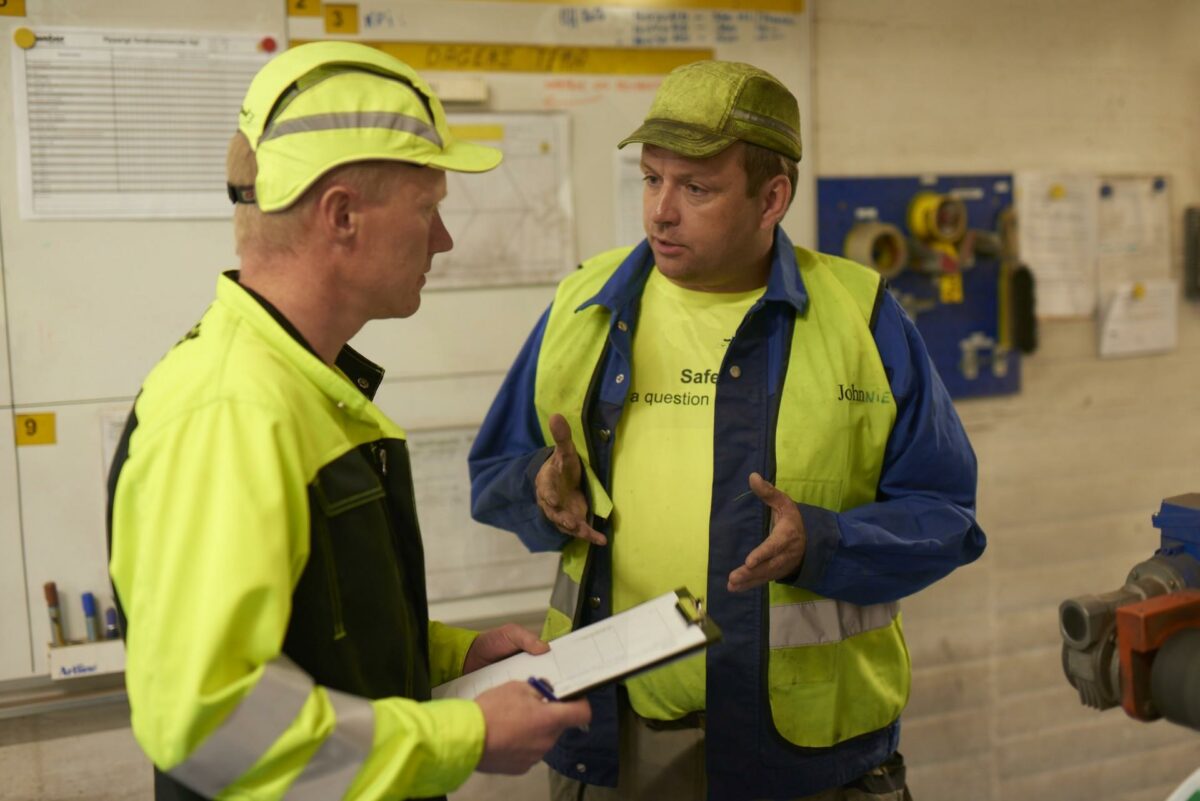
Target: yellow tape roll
[(878, 245), (934, 217)]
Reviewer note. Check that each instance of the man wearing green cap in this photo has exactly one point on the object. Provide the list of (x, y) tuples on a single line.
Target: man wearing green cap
[(264, 542), (718, 409)]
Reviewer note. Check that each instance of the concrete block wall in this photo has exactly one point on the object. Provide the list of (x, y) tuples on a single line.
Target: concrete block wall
[(1071, 468)]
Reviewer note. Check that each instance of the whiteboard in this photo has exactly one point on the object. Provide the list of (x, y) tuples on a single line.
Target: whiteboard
[(91, 305)]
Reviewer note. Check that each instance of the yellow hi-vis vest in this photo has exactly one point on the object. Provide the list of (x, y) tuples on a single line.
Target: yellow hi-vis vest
[(836, 670)]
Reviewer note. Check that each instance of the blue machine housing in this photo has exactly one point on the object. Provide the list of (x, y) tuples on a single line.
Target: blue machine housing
[(1179, 521)]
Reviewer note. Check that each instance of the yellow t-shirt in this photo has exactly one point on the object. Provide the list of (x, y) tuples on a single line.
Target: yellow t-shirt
[(662, 468)]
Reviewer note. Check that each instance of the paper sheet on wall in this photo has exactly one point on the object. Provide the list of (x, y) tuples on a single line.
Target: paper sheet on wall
[(515, 224), (128, 124), (627, 175), (1133, 235), (1140, 317), (1057, 223), (464, 559)]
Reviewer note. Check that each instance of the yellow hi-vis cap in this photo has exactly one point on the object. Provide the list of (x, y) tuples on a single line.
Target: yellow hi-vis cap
[(324, 104)]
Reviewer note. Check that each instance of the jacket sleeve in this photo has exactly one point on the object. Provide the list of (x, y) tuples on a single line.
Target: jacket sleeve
[(448, 648), (214, 703), (922, 523), (507, 453)]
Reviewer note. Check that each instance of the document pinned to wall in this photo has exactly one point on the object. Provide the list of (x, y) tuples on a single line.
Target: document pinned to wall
[(1140, 317), (1057, 239), (465, 559), (627, 197), (117, 124), (515, 224), (1133, 235)]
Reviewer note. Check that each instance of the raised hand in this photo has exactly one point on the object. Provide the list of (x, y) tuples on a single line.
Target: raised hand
[(781, 553), (559, 489)]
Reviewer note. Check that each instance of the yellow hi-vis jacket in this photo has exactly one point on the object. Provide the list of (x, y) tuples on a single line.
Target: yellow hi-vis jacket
[(266, 556)]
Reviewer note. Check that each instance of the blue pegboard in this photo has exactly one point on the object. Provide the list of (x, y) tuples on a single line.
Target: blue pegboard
[(841, 202)]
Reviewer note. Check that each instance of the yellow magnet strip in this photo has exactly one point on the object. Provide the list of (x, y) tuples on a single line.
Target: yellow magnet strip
[(476, 57), (787, 6)]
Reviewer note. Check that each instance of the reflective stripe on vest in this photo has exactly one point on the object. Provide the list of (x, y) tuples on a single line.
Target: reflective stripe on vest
[(565, 596), (250, 729), (825, 621)]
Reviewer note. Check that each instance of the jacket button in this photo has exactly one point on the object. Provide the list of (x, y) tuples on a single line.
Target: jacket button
[(594, 602), (735, 371), (622, 325), (580, 767), (605, 434), (364, 383), (620, 378)]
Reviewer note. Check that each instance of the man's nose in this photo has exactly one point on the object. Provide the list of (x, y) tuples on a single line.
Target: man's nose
[(665, 210), (440, 240)]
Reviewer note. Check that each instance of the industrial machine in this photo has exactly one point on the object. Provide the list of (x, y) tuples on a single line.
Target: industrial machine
[(1139, 645)]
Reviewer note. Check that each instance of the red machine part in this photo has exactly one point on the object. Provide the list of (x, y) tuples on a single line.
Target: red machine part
[(1142, 628)]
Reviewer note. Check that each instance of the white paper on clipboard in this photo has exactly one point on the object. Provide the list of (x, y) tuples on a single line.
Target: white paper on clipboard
[(649, 634)]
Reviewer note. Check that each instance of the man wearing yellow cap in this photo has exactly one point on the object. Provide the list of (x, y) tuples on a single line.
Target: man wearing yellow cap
[(265, 547), (718, 409)]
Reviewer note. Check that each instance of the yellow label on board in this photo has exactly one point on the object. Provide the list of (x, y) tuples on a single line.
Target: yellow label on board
[(304, 8), (35, 429), (478, 133), (538, 58), (12, 8), (341, 18), (951, 286)]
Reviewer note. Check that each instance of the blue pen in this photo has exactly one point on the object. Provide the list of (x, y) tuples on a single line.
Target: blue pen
[(89, 616), (543, 687), (111, 632)]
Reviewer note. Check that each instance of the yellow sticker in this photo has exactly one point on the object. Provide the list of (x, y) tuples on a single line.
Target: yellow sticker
[(951, 287), (35, 429), (473, 57), (24, 38), (341, 18), (304, 8), (478, 133), (12, 8)]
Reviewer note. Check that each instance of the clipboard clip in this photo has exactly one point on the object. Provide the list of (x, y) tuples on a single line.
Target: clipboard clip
[(691, 607)]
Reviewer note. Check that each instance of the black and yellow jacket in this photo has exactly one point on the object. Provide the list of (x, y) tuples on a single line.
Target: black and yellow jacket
[(266, 555)]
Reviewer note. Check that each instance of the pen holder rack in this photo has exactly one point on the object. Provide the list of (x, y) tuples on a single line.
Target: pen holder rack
[(79, 660)]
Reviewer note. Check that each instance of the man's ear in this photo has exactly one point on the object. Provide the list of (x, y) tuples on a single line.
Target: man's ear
[(337, 213), (776, 196)]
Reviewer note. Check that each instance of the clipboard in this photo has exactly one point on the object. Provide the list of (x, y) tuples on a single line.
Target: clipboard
[(641, 638)]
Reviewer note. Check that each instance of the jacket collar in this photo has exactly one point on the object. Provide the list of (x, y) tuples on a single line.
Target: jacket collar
[(354, 380), (784, 283)]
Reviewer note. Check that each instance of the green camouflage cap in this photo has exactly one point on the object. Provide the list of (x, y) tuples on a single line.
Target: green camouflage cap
[(704, 107)]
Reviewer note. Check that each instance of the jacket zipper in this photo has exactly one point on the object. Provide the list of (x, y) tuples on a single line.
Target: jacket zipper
[(379, 451), (331, 579)]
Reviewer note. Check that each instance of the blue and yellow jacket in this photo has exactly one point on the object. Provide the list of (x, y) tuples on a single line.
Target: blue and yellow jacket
[(870, 546)]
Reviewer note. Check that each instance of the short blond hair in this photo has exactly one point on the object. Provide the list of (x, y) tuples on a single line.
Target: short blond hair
[(278, 231)]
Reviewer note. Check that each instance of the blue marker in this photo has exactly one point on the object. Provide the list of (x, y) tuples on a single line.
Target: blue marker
[(543, 687), (111, 632), (89, 615)]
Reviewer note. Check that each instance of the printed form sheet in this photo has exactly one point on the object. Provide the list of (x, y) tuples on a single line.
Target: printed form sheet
[(604, 651), (128, 124), (465, 559)]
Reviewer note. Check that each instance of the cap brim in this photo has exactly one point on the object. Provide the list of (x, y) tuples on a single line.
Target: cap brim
[(460, 156), (680, 138)]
